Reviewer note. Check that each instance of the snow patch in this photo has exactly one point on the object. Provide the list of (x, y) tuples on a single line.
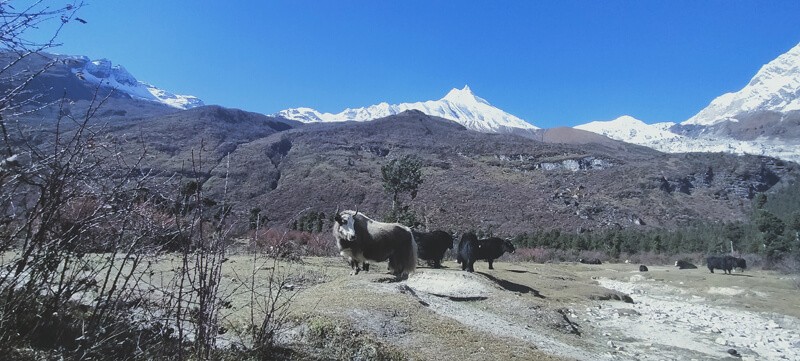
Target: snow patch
[(631, 130)]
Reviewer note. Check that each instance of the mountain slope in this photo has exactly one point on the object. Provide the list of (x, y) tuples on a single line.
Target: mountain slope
[(500, 182), (459, 105), (79, 78), (103, 73), (493, 182), (775, 87)]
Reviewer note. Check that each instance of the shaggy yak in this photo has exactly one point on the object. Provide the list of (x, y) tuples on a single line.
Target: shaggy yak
[(471, 249), (642, 268), (724, 263), (360, 238), (432, 246), (590, 261)]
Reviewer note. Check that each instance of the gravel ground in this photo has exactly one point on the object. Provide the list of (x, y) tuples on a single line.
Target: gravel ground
[(668, 322)]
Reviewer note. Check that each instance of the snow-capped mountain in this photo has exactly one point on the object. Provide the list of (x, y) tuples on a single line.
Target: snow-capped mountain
[(459, 105), (762, 118), (660, 136), (776, 87), (102, 72), (629, 129)]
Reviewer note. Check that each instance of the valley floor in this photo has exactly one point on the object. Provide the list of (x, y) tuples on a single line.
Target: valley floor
[(528, 311)]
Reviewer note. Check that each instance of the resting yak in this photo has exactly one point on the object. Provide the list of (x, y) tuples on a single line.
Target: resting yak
[(642, 268), (590, 261), (725, 263), (471, 249), (360, 239), (432, 246), (681, 264)]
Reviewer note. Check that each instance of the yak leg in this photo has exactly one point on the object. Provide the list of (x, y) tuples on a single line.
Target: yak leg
[(366, 267), (437, 263), (470, 267), (490, 264), (354, 266)]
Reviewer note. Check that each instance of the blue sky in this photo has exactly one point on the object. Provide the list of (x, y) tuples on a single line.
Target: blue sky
[(552, 63)]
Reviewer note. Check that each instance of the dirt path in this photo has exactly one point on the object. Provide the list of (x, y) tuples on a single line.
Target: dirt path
[(444, 293)]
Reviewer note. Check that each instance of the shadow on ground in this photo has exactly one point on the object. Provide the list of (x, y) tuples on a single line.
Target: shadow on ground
[(511, 286)]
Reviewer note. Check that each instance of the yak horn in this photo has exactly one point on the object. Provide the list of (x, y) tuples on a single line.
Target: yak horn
[(356, 210), (337, 210)]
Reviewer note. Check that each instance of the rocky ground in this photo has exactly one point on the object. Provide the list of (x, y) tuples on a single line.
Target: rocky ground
[(527, 311), (675, 323)]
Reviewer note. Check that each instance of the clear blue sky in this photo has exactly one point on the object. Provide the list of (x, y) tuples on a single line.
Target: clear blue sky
[(551, 63)]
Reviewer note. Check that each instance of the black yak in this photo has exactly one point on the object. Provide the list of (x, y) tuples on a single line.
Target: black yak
[(471, 249), (590, 261), (642, 268), (740, 264), (360, 238), (432, 246), (724, 263), (681, 264)]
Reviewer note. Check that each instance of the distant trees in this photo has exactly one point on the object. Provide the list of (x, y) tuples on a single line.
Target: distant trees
[(312, 221), (402, 176), (701, 238)]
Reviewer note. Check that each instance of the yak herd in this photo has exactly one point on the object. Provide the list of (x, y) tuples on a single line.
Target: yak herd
[(361, 239)]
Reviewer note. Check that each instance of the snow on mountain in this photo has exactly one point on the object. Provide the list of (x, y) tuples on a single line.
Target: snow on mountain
[(459, 105), (776, 87), (631, 130), (659, 137), (102, 72)]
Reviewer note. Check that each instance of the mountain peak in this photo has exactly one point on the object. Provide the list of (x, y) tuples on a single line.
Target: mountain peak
[(627, 119), (103, 73), (459, 105), (629, 129), (463, 96), (775, 87)]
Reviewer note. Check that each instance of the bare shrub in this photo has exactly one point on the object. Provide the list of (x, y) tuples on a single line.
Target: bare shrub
[(787, 265), (291, 244), (192, 299), (271, 295), (65, 199)]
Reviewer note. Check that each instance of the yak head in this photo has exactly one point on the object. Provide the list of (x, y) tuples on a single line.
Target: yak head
[(469, 236), (344, 226), (508, 246)]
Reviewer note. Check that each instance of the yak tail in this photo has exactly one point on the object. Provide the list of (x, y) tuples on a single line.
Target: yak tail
[(409, 259)]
